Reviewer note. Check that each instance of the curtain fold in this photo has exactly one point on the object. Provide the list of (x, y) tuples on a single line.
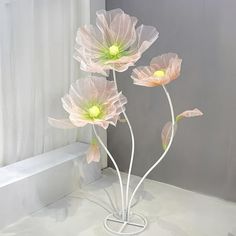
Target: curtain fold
[(36, 69)]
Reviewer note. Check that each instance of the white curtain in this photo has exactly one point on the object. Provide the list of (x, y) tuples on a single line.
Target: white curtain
[(36, 69)]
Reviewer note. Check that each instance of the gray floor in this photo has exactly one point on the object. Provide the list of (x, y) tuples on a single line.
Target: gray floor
[(170, 211)]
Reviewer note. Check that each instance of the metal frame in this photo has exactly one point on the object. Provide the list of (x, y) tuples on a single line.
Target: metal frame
[(137, 224), (126, 218)]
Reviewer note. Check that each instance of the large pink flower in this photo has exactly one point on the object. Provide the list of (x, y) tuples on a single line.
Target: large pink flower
[(161, 71), (114, 44), (92, 100)]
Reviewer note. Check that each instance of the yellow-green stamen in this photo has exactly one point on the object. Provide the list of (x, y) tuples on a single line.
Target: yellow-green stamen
[(94, 111), (159, 73), (114, 50)]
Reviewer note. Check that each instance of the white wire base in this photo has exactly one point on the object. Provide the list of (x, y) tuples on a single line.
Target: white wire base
[(135, 225)]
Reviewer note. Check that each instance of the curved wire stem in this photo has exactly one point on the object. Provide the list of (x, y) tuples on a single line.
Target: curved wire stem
[(163, 154), (117, 170), (132, 151)]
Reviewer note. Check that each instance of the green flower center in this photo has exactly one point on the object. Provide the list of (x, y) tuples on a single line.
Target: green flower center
[(94, 111), (159, 73), (114, 50)]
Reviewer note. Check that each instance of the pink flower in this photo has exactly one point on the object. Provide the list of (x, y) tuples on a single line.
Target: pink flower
[(92, 100), (161, 71), (93, 153), (114, 43)]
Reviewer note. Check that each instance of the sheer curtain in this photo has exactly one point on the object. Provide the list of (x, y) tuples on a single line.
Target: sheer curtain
[(36, 69)]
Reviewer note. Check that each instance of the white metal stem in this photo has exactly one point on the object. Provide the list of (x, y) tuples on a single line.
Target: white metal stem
[(162, 156), (117, 170), (132, 150)]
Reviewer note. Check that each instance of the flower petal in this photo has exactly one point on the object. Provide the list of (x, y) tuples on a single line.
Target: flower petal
[(61, 123), (90, 38), (146, 83), (77, 120), (103, 22), (162, 61), (141, 76), (93, 154), (146, 36), (166, 133), (189, 113), (103, 123), (117, 27), (88, 63)]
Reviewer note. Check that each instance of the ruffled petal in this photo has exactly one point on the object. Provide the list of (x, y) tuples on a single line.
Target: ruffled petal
[(173, 71), (162, 61), (143, 76), (103, 123), (113, 120), (123, 63), (142, 72), (103, 22), (70, 104), (90, 38), (67, 103), (90, 64), (146, 83), (76, 120), (61, 123), (146, 36), (117, 27)]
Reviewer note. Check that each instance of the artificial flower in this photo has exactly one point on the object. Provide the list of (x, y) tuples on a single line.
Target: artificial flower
[(161, 71), (166, 131), (114, 43), (92, 100), (93, 153)]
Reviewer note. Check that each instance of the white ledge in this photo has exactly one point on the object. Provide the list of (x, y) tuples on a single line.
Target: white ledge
[(29, 185), (29, 167)]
